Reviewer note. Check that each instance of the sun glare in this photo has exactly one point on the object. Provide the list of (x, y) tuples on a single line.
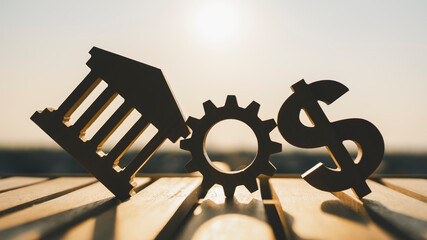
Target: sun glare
[(216, 21)]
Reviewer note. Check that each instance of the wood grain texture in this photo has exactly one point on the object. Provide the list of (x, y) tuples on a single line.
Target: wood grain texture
[(416, 188), (51, 188), (169, 208), (400, 214), (161, 206), (314, 214), (216, 217), (41, 219), (16, 182)]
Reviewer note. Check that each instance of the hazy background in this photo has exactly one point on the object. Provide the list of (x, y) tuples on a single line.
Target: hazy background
[(209, 49)]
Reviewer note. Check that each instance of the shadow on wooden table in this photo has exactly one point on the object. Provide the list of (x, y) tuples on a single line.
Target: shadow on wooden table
[(339, 209), (408, 227), (62, 220)]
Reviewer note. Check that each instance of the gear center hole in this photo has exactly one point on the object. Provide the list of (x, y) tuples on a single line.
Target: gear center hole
[(229, 145)]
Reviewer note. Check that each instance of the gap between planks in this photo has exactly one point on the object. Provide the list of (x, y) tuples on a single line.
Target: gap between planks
[(415, 188), (308, 213), (402, 215), (275, 212), (24, 197), (41, 219), (154, 212), (10, 183), (243, 217)]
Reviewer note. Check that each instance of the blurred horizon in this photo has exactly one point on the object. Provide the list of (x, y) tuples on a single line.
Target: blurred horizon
[(58, 161), (210, 49)]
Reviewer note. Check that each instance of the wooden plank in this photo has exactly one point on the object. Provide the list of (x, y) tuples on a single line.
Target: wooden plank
[(243, 217), (83, 231), (413, 187), (313, 214), (42, 219), (17, 182), (400, 214), (25, 196), (156, 211)]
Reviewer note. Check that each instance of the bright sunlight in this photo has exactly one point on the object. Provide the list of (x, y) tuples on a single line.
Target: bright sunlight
[(217, 21)]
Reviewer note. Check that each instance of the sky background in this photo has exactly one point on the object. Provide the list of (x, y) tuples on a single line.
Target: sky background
[(209, 49)]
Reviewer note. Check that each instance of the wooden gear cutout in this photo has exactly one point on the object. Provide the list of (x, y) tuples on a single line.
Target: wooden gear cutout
[(143, 88), (200, 160)]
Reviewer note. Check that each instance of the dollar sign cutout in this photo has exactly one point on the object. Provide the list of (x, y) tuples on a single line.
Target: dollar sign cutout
[(350, 173)]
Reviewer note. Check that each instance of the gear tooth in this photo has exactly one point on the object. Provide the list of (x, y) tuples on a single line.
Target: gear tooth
[(208, 106), (229, 191), (252, 186), (269, 124), (231, 101), (192, 122), (275, 147), (191, 166), (269, 170), (185, 144), (206, 184), (253, 107)]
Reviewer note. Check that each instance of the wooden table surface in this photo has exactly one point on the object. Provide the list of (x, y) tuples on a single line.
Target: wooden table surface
[(174, 207)]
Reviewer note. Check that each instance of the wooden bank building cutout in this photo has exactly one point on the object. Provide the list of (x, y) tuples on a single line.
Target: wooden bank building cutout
[(144, 89)]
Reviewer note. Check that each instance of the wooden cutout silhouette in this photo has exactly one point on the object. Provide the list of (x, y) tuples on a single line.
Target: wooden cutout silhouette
[(144, 89), (351, 174), (200, 160)]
